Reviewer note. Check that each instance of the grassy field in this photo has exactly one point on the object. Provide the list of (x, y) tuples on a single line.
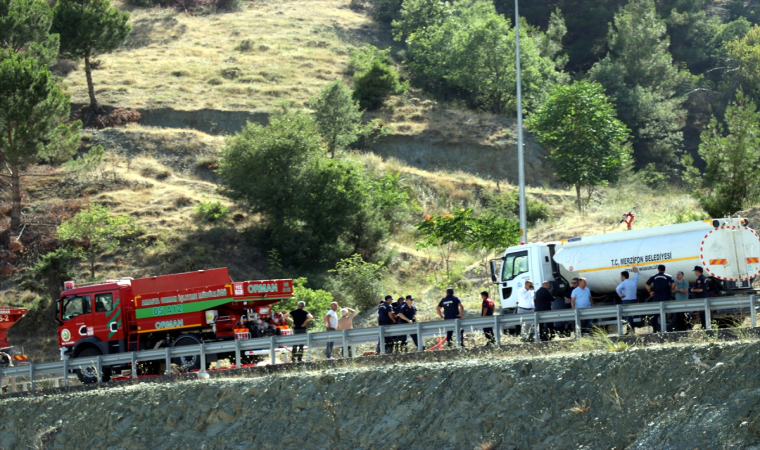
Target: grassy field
[(254, 59)]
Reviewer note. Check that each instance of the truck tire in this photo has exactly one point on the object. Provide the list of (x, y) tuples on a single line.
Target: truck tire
[(89, 375), (187, 363)]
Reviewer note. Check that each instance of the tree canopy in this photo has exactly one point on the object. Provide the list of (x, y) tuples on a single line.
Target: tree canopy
[(25, 27), (578, 123)]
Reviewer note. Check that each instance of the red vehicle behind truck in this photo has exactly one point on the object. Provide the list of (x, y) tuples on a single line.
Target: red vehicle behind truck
[(8, 317), (126, 314)]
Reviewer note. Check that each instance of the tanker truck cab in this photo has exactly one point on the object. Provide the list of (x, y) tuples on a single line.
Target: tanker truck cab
[(521, 263)]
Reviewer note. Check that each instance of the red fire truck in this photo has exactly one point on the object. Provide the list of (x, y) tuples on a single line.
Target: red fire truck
[(128, 314)]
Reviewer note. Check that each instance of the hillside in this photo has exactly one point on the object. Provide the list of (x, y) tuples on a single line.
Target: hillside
[(665, 397)]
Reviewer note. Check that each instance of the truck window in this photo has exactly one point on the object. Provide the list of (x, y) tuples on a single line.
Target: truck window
[(515, 264), (104, 302), (75, 306)]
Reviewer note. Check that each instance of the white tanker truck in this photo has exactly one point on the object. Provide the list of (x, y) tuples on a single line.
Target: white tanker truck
[(727, 249)]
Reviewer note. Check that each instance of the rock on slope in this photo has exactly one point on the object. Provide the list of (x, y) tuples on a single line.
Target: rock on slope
[(673, 397)]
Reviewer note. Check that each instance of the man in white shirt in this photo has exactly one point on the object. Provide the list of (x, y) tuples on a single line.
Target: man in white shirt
[(331, 323), (525, 304), (627, 290)]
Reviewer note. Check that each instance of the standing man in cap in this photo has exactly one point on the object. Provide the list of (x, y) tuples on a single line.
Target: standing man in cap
[(660, 286), (700, 291), (385, 317), (525, 303), (544, 300), (405, 316), (452, 309), (487, 310), (627, 290)]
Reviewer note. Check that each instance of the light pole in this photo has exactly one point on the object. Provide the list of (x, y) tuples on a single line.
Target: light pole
[(520, 156)]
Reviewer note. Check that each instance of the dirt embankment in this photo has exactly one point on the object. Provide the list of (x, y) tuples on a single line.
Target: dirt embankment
[(678, 397)]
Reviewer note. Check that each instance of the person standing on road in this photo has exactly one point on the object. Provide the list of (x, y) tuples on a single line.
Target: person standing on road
[(543, 302), (452, 309), (525, 304), (385, 317), (406, 316), (660, 286), (299, 318), (487, 310), (331, 323), (346, 322), (581, 298), (627, 290), (396, 307), (563, 302), (681, 291), (700, 291)]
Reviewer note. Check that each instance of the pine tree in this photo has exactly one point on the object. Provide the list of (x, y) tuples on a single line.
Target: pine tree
[(32, 109), (25, 27), (89, 28), (337, 116)]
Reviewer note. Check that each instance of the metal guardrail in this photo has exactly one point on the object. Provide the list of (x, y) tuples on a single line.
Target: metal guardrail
[(377, 335)]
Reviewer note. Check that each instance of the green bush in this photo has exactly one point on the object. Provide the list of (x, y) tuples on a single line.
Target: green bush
[(385, 11), (212, 211), (358, 282), (507, 204), (374, 86), (363, 57)]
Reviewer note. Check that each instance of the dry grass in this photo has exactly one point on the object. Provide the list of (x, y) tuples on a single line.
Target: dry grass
[(194, 62), (579, 408)]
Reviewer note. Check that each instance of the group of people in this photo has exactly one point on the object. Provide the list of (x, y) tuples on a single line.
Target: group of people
[(660, 287), (299, 318)]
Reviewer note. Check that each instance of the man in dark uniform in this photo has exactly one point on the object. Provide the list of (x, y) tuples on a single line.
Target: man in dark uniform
[(544, 300), (700, 291), (452, 309), (299, 318), (660, 286), (406, 316), (487, 310), (396, 307), (385, 316)]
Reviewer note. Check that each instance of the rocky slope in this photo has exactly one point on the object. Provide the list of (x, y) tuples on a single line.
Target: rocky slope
[(703, 396)]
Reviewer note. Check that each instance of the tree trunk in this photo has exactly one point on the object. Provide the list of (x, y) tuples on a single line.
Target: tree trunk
[(578, 197), (16, 198), (94, 106)]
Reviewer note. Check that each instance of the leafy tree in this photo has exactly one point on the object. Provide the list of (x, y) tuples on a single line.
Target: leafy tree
[(358, 282), (550, 43), (95, 232), (578, 123), (315, 210), (466, 49), (443, 232), (338, 117), (32, 109), (371, 88), (744, 59), (89, 28), (639, 74), (386, 10), (25, 27), (731, 178)]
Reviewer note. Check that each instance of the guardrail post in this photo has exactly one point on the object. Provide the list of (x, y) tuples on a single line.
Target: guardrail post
[(99, 362), (134, 365), (420, 339), (620, 320), (168, 361), (536, 335), (65, 371), (708, 319), (32, 386), (237, 353), (457, 337), (663, 322), (1, 380), (752, 311), (272, 358), (203, 357), (497, 329), (345, 344), (308, 346), (577, 323), (381, 333)]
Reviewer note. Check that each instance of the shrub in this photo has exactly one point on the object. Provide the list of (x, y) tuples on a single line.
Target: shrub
[(362, 58), (373, 87), (212, 211), (508, 204), (358, 282)]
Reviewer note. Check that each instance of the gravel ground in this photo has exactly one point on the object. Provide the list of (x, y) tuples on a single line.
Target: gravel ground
[(664, 397)]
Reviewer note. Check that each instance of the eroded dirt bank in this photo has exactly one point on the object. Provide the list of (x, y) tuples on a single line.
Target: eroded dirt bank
[(671, 397)]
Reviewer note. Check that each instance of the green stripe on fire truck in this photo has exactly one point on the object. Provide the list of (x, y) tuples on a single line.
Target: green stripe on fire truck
[(118, 325), (184, 308), (115, 310)]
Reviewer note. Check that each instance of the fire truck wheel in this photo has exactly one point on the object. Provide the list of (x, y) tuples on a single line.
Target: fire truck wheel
[(88, 375), (187, 363)]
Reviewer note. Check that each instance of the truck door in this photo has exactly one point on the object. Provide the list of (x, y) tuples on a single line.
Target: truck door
[(515, 270), (107, 318), (76, 319)]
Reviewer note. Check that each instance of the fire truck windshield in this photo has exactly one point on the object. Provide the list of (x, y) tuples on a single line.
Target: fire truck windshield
[(74, 306)]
